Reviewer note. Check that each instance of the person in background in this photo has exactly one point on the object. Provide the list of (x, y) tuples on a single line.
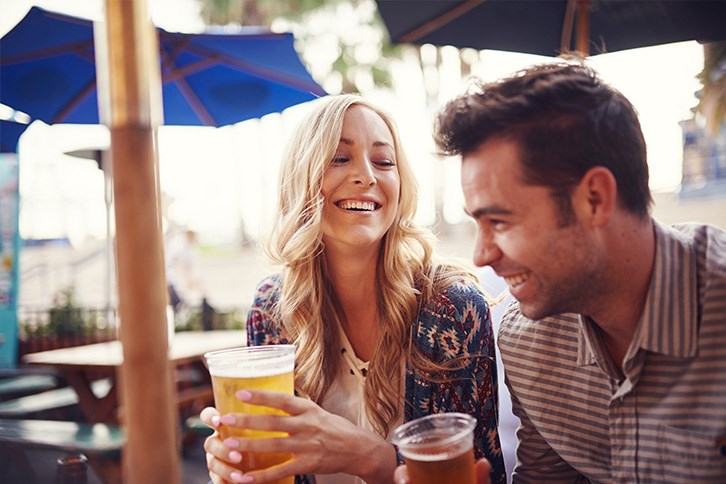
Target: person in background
[(614, 351), (183, 283), (384, 332)]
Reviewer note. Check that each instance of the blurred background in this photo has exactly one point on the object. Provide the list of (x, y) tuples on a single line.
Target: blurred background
[(220, 183)]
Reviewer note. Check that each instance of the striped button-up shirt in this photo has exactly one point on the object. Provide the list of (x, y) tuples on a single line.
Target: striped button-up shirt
[(663, 419)]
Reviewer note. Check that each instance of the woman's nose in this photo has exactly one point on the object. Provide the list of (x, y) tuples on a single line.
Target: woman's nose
[(486, 252), (362, 173)]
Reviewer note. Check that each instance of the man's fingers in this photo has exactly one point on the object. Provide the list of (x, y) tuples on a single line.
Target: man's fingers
[(401, 475), (482, 471)]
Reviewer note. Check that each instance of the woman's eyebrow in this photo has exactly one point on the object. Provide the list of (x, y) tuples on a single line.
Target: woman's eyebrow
[(350, 142)]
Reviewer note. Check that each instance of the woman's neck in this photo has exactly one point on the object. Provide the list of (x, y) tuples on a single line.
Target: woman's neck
[(353, 280)]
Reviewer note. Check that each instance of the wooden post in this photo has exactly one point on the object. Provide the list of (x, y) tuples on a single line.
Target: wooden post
[(581, 10), (583, 27), (134, 113)]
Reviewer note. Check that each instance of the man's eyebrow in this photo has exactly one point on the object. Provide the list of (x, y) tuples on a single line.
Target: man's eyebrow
[(484, 211), (350, 142)]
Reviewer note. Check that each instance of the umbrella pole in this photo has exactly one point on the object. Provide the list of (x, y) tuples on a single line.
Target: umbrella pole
[(581, 9), (134, 113), (583, 27)]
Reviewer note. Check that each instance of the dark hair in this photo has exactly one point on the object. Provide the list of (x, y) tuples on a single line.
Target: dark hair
[(565, 120)]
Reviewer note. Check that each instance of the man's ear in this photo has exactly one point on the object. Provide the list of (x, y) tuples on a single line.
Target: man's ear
[(596, 196)]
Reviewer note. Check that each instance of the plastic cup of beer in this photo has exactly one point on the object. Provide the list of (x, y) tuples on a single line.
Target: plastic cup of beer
[(438, 449), (252, 368)]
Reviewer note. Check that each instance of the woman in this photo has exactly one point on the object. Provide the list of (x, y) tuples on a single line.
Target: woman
[(384, 334)]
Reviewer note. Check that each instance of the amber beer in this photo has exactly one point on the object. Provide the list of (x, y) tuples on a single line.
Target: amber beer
[(260, 368), (438, 449)]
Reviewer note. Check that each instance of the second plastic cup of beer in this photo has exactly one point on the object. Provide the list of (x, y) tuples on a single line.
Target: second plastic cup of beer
[(252, 368), (438, 449)]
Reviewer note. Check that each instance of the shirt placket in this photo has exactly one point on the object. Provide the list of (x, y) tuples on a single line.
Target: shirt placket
[(624, 425)]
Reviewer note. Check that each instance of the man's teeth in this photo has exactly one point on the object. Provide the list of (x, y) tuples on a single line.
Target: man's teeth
[(357, 205), (515, 281)]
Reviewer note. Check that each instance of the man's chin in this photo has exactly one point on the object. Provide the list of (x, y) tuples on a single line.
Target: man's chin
[(532, 311)]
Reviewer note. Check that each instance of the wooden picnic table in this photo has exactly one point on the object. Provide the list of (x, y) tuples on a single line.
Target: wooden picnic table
[(82, 365)]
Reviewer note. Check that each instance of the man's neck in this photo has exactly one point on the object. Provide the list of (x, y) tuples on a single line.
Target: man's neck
[(631, 262)]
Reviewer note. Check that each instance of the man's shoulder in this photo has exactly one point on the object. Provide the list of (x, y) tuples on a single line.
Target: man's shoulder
[(706, 242), (704, 237)]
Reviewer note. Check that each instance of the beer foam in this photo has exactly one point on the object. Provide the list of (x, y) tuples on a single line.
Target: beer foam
[(250, 364), (251, 369)]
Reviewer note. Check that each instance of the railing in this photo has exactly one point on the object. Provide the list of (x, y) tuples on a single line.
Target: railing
[(62, 327), (42, 329)]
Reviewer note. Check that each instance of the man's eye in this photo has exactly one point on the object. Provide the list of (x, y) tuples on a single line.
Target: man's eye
[(497, 224)]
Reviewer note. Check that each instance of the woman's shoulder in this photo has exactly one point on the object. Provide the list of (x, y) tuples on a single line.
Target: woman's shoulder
[(268, 290), (458, 289), (454, 298)]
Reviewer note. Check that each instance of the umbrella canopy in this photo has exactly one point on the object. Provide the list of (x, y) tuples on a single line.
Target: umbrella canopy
[(546, 27), (48, 71), (10, 132)]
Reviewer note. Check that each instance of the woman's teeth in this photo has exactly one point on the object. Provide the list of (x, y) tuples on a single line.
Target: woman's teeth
[(357, 205)]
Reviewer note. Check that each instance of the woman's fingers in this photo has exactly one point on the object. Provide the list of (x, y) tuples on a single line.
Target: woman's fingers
[(272, 423), (220, 471), (277, 472), (207, 416), (283, 401), (218, 450)]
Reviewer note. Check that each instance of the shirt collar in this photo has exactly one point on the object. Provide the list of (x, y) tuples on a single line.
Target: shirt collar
[(669, 323)]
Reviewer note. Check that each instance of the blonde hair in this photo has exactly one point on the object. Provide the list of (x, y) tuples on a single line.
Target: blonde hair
[(405, 273)]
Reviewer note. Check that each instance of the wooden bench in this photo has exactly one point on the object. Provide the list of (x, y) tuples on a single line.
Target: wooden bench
[(196, 426), (20, 381), (100, 443), (19, 386), (49, 403)]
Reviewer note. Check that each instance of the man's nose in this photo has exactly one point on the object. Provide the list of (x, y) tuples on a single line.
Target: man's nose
[(486, 252)]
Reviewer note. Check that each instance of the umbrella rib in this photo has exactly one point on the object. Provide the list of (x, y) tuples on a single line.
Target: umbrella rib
[(50, 52), (256, 70), (194, 102), (438, 22), (182, 72), (77, 99)]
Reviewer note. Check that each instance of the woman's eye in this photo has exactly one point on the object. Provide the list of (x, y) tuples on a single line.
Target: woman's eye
[(339, 160), (385, 163)]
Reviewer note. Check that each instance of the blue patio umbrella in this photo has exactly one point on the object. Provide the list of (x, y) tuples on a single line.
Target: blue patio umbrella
[(10, 132), (47, 70)]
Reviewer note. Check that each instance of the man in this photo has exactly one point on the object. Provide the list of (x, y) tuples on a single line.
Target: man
[(615, 350)]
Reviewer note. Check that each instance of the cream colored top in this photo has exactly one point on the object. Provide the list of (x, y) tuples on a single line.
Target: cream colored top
[(346, 399)]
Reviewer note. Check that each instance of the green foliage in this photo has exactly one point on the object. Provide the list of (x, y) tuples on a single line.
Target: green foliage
[(360, 29), (713, 96), (65, 318), (191, 320)]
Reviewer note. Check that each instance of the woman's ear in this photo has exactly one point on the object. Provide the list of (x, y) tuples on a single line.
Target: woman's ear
[(596, 196)]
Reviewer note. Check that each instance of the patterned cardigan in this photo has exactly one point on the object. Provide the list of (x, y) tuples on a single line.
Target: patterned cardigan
[(454, 323)]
